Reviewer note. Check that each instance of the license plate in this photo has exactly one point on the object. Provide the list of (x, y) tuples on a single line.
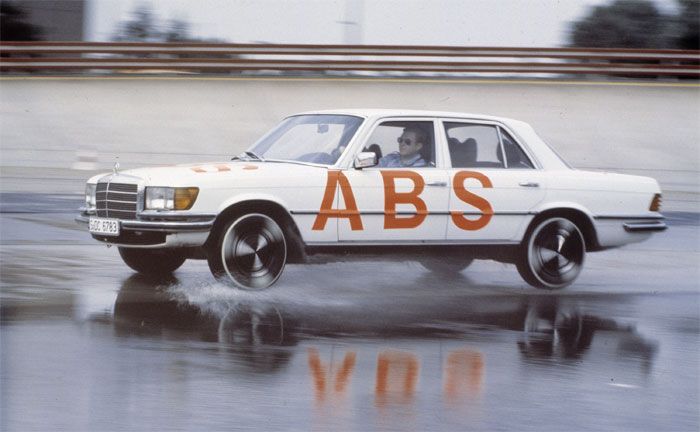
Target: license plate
[(109, 227)]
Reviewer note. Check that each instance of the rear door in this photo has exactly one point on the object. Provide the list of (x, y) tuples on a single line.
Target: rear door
[(494, 184)]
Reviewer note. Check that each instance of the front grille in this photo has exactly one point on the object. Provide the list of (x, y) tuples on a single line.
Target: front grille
[(116, 200)]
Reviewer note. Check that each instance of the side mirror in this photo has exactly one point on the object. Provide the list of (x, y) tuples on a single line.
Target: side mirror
[(365, 160)]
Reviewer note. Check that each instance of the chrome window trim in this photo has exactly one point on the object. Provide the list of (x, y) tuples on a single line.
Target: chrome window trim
[(503, 150)]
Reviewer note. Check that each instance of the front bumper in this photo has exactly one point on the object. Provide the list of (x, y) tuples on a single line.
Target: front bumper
[(158, 230)]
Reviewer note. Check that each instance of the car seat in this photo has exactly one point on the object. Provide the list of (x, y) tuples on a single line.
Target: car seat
[(374, 148), (463, 154)]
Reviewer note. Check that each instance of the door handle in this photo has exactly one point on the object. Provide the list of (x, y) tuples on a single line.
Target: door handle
[(529, 184), (437, 184)]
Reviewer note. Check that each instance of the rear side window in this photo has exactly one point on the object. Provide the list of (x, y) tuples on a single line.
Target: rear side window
[(515, 156), (473, 145)]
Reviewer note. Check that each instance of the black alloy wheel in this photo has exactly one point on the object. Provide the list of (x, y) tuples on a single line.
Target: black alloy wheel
[(251, 252), (553, 254)]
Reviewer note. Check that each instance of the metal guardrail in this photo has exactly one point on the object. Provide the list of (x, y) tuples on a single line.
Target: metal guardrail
[(21, 57)]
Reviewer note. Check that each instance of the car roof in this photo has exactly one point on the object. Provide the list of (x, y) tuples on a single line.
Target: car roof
[(378, 113), (546, 156)]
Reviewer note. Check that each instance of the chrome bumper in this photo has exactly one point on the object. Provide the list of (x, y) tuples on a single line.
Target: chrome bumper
[(200, 223), (179, 231), (644, 226), (623, 229)]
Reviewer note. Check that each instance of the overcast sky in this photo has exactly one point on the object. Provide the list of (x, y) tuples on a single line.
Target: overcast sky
[(538, 23)]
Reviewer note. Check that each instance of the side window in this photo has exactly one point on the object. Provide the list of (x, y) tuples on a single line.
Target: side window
[(515, 156), (403, 144), (473, 145)]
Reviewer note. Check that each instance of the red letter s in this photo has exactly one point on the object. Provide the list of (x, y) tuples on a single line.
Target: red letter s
[(464, 195)]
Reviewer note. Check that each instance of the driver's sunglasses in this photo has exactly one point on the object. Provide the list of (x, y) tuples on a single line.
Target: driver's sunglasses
[(406, 141)]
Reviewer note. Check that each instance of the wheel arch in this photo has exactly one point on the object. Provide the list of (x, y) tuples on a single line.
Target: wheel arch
[(577, 215), (269, 207)]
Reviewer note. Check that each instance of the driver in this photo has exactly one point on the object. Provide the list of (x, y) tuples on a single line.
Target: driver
[(410, 142)]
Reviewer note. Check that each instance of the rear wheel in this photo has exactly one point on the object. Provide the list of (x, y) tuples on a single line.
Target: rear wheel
[(249, 253), (552, 254), (152, 262)]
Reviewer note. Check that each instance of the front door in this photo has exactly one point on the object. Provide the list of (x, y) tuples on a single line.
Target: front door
[(405, 197)]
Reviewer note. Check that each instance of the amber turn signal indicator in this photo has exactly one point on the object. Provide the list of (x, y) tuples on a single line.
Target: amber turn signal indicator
[(655, 203), (185, 197)]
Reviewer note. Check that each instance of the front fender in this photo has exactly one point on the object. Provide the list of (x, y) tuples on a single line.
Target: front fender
[(253, 196)]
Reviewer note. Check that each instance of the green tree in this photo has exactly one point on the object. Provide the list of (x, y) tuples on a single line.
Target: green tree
[(177, 31), (14, 25), (624, 24), (141, 27), (144, 26), (689, 25)]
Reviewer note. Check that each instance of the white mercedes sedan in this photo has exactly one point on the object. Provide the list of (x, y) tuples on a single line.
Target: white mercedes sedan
[(441, 188)]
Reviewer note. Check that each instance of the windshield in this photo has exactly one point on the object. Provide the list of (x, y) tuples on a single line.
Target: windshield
[(318, 138)]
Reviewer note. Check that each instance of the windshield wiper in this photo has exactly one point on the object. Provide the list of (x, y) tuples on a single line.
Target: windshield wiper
[(248, 155), (253, 155)]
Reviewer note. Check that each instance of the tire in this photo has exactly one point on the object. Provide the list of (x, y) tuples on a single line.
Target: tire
[(446, 266), (152, 262), (552, 254), (250, 252)]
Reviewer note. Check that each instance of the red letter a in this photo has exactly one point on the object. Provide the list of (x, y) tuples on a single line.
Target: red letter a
[(326, 211)]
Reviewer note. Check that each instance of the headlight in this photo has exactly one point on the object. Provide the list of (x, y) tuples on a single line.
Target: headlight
[(90, 203), (166, 198)]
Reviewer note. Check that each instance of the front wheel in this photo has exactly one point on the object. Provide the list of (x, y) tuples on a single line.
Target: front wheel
[(250, 252), (552, 254), (446, 265), (152, 262)]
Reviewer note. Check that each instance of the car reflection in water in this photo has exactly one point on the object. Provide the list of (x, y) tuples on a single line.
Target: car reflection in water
[(253, 332), (262, 334)]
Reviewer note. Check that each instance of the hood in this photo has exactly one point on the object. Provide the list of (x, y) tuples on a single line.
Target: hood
[(211, 174)]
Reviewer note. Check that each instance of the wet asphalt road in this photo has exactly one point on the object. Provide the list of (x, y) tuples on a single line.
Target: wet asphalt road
[(89, 345)]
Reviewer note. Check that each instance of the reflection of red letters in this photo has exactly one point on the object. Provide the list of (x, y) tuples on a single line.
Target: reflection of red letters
[(326, 211), (318, 371), (392, 198), (480, 203), (464, 372), (397, 376)]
